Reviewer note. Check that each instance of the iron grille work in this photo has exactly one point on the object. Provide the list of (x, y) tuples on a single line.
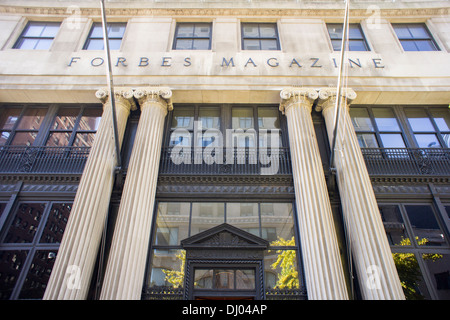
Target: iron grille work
[(26, 159), (407, 161)]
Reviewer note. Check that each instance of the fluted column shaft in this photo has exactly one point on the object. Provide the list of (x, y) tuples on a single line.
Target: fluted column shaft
[(321, 259), (369, 245), (127, 259), (72, 271)]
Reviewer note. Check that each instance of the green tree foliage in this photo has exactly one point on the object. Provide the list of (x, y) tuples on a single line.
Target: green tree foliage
[(409, 270)]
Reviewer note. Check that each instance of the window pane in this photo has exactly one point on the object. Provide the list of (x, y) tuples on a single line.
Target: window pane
[(367, 140), (25, 223), (281, 269), (97, 31), (335, 31), (206, 215), (242, 118), (166, 268), (418, 31), (180, 138), (336, 45), (95, 44), (410, 275), (114, 44), (172, 223), (427, 141), (11, 264), (268, 118), (277, 222), (357, 45), (393, 225), (56, 223), (402, 32), (8, 117), (91, 119), (245, 279), (202, 31), (442, 118), (385, 119), (50, 30), (425, 45), (360, 119), (203, 278), (425, 226), (244, 216), (267, 31), (354, 32), (185, 30), (84, 140), (250, 31), (201, 44), (250, 44), (269, 45), (34, 29), (409, 45), (4, 137), (223, 279), (24, 138), (65, 119), (419, 121), (58, 139), (183, 118), (27, 44), (38, 275), (184, 44), (438, 265), (116, 30), (32, 119), (392, 140), (209, 117)]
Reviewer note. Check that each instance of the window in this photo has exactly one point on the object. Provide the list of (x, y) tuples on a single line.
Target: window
[(430, 126), (51, 126), (415, 37), (28, 247), (193, 36), (37, 36), (356, 40), (115, 35), (74, 127), (377, 127), (420, 249), (260, 36), (175, 221)]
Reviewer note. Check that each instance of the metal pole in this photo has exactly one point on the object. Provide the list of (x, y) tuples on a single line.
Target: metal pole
[(339, 89), (110, 84)]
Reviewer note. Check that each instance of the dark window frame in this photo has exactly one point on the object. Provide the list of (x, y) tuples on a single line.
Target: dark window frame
[(195, 25), (109, 25), (412, 39), (362, 39), (259, 24), (23, 36)]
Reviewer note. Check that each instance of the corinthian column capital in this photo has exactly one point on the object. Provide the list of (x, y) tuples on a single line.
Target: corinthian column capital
[(123, 95), (291, 95), (328, 96), (161, 96)]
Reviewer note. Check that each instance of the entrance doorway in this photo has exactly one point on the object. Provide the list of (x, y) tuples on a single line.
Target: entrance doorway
[(224, 263)]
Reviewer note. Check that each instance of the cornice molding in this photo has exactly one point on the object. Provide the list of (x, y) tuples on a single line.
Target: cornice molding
[(309, 12)]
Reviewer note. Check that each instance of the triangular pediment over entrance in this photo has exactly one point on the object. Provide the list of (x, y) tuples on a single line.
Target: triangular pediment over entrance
[(224, 236)]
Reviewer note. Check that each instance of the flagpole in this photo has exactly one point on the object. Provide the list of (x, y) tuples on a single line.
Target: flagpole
[(110, 84), (339, 89)]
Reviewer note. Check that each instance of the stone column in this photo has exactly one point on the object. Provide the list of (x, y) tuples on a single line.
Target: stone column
[(369, 245), (321, 259), (128, 256), (72, 271)]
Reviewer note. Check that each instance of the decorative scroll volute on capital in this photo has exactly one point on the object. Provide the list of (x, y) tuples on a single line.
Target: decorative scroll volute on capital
[(158, 95), (291, 95), (122, 94), (328, 96)]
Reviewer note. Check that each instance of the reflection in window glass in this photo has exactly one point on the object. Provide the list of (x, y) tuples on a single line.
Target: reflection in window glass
[(25, 223), (393, 225), (367, 140), (183, 118), (425, 226), (242, 118), (115, 34), (167, 268), (281, 269), (11, 264), (410, 275), (38, 275), (172, 223), (385, 119), (439, 267), (209, 117), (56, 223), (206, 215), (244, 216), (361, 119), (419, 120)]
